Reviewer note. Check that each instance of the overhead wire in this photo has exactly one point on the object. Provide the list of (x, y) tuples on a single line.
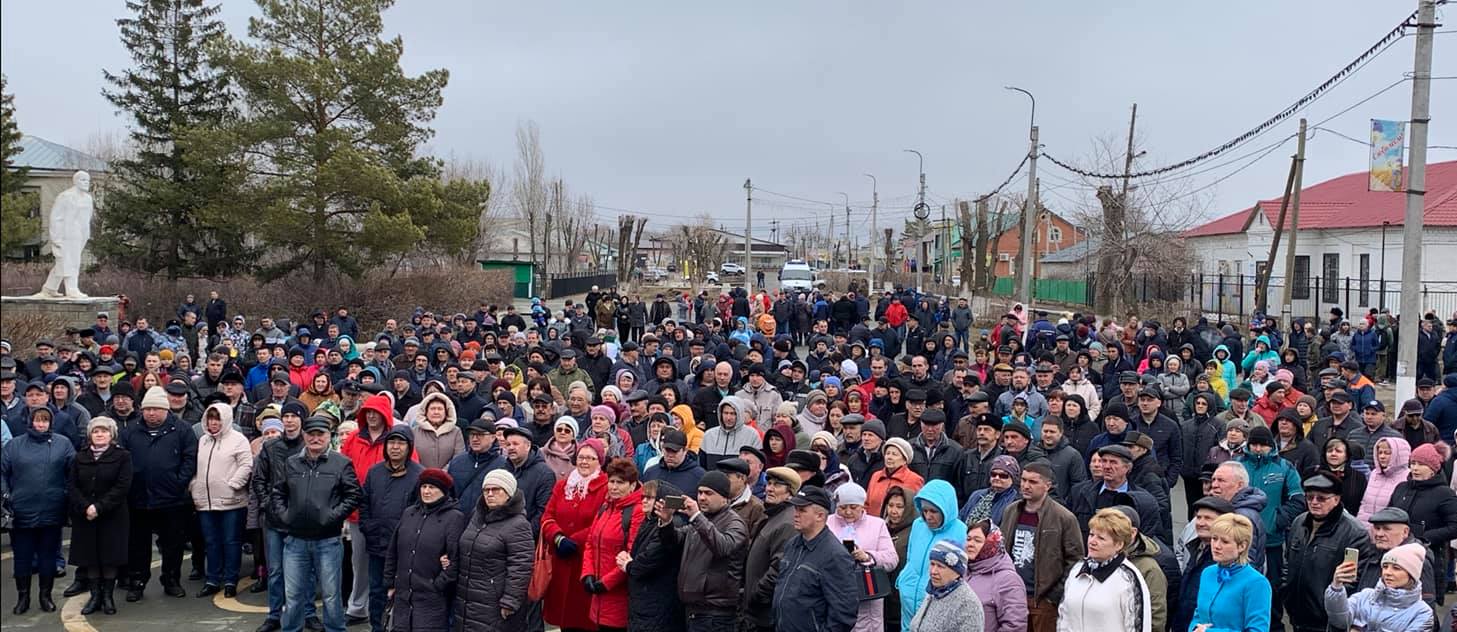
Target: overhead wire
[(1371, 53)]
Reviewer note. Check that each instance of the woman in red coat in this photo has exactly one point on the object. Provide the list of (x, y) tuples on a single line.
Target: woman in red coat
[(611, 537), (568, 516)]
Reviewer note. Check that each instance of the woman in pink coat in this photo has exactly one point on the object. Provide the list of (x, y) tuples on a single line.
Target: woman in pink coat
[(873, 547), (1389, 469), (992, 576)]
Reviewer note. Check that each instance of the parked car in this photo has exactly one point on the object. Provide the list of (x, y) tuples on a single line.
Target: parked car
[(731, 269), (712, 278), (654, 274)]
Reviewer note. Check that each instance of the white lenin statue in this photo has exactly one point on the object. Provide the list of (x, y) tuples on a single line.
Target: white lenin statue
[(70, 228)]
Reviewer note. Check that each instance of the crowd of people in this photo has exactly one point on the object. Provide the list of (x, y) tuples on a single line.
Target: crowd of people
[(776, 461)]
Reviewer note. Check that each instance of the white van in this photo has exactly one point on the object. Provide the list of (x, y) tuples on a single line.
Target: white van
[(796, 275)]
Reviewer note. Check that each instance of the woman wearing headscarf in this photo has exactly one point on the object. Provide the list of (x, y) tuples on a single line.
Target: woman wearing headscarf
[(1003, 488), (1105, 591), (220, 495), (100, 479), (611, 535), (320, 389), (936, 503), (564, 527), (347, 348), (604, 427), (948, 604), (896, 473), (899, 513), (823, 443), (495, 559), (873, 547), (992, 576), (36, 467), (560, 453), (438, 437), (429, 530)]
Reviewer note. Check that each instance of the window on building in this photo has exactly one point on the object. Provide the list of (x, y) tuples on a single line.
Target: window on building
[(1330, 268), (1054, 235), (1300, 285), (1363, 267)]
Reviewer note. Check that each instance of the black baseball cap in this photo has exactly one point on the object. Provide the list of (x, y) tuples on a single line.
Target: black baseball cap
[(812, 495)]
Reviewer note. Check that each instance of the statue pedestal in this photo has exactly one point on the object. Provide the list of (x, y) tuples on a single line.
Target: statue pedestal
[(66, 312)]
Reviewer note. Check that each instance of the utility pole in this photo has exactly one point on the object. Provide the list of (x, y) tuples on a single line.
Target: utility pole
[(945, 249), (1029, 218), (921, 212), (1287, 310), (1416, 185), (748, 230), (874, 210), (847, 231), (830, 243)]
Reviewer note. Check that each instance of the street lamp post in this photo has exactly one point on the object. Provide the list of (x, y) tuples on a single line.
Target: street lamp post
[(921, 212), (1029, 218), (1382, 302), (847, 231), (874, 208)]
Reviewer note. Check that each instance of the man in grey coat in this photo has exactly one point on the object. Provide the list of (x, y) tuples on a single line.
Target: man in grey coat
[(761, 570)]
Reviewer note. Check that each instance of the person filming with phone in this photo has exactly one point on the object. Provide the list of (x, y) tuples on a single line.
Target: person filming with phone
[(712, 540), (1315, 549)]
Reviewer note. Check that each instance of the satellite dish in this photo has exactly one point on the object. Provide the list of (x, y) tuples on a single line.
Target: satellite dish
[(922, 210)]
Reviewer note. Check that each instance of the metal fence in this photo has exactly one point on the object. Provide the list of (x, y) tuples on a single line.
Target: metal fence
[(567, 284), (1233, 296)]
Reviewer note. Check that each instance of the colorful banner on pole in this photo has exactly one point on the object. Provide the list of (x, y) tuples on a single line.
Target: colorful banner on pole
[(1388, 143)]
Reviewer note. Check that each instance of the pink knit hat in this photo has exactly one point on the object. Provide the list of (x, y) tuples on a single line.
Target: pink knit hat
[(597, 447), (606, 411), (1284, 375), (1409, 557), (1427, 455)]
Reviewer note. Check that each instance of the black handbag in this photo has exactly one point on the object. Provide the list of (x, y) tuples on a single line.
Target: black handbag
[(874, 583)]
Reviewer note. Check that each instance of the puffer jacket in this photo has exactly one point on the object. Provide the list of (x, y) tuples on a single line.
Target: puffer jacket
[(1284, 496), (761, 568), (224, 465), (917, 569), (1256, 354), (363, 450), (496, 552), (712, 570), (468, 469), (412, 564), (36, 468), (387, 494), (572, 519), (1379, 608), (1433, 509), (436, 445), (164, 460), (1312, 559), (1382, 481), (1001, 591), (605, 539), (652, 577)]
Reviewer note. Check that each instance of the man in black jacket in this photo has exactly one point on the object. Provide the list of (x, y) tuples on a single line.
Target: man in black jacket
[(1315, 547), (317, 492), (812, 594), (389, 487), (164, 460), (712, 569), (267, 470)]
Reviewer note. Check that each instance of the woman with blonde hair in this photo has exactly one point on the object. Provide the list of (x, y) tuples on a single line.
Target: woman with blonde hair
[(1232, 594), (1105, 591)]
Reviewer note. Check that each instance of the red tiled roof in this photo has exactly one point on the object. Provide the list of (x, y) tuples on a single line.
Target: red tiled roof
[(1345, 202)]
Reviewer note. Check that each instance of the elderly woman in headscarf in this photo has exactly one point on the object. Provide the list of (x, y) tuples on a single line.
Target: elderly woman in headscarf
[(1003, 489), (824, 444), (993, 577), (560, 453), (899, 513), (949, 604), (604, 427)]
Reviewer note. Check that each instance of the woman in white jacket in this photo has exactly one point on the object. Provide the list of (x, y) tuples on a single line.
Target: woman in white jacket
[(220, 495), (1078, 383), (1105, 592)]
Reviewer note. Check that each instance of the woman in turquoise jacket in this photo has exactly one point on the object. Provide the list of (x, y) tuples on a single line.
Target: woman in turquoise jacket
[(1227, 368), (1233, 596), (936, 503), (1262, 351)]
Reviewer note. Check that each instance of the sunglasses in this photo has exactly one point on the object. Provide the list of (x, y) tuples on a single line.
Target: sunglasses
[(1001, 475), (563, 430)]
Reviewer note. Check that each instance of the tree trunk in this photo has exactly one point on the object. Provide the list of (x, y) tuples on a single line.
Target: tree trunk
[(1112, 278)]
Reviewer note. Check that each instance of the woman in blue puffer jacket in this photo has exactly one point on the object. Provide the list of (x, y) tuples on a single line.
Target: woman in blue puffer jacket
[(1393, 604), (36, 467)]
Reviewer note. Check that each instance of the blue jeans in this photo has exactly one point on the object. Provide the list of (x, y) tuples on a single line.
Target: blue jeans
[(222, 534), (308, 564), (963, 341), (273, 548), (378, 593)]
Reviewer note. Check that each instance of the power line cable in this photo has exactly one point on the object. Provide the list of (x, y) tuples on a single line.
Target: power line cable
[(1349, 69)]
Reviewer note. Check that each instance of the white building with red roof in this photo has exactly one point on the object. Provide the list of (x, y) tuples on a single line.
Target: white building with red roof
[(1349, 237)]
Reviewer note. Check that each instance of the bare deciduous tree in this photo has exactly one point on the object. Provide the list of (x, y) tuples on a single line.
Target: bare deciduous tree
[(529, 187), (472, 169), (698, 246), (629, 238)]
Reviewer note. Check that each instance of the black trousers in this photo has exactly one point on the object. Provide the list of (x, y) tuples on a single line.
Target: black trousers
[(169, 526)]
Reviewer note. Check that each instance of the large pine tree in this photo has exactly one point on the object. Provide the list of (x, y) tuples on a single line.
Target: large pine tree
[(16, 224), (330, 135), (169, 209)]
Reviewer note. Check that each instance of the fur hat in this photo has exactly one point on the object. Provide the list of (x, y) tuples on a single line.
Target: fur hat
[(438, 478)]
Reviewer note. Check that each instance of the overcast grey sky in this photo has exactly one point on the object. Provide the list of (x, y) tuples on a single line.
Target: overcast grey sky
[(666, 107)]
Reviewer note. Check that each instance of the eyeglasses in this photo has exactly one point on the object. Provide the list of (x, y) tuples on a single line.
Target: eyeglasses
[(564, 430), (1321, 498), (999, 474)]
